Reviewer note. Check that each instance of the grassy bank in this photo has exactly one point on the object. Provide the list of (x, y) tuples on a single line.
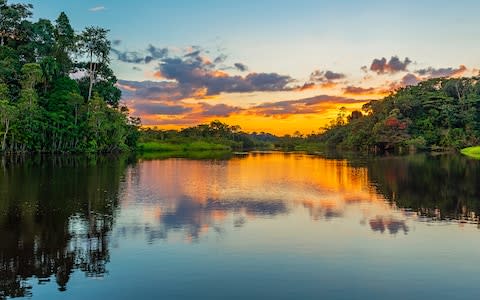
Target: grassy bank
[(473, 152), (197, 155), (185, 147)]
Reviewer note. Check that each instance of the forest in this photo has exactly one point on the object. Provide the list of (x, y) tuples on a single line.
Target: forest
[(441, 114), (219, 136), (437, 114), (58, 94), (57, 90)]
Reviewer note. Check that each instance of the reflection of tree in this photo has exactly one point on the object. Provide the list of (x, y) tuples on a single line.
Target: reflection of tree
[(55, 217), (437, 187)]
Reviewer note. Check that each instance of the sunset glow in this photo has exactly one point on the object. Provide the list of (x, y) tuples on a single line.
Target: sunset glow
[(256, 71)]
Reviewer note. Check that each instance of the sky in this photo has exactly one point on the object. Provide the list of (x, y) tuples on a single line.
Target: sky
[(273, 65)]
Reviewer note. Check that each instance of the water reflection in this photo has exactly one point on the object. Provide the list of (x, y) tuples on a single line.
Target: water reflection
[(392, 225), (437, 188), (59, 216), (55, 217), (194, 198)]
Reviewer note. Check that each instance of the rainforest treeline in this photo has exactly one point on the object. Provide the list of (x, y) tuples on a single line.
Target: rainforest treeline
[(437, 114), (57, 90)]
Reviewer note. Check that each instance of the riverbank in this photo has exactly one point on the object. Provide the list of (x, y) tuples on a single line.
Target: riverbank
[(174, 147)]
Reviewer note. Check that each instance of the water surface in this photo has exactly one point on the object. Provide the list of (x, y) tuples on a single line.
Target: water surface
[(256, 226)]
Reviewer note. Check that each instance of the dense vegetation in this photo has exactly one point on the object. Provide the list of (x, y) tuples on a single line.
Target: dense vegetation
[(218, 136), (437, 114), (57, 91)]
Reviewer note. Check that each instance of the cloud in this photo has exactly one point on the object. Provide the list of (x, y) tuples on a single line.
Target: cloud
[(220, 59), (356, 90), (324, 76), (361, 91), (129, 57), (218, 110), (192, 74), (306, 86), (134, 57), (196, 75), (441, 72), (394, 65), (312, 105), (158, 108), (241, 67), (156, 53), (410, 79), (97, 8), (158, 112), (164, 90), (116, 42)]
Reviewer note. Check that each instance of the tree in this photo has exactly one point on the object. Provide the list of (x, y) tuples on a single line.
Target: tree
[(11, 18), (95, 45), (43, 38), (41, 108), (50, 71), (64, 43), (8, 113)]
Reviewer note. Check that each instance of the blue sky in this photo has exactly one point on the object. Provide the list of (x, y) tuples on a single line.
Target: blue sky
[(292, 38)]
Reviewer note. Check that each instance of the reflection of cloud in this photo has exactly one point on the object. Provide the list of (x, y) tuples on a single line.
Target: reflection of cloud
[(394, 226), (320, 211), (194, 218)]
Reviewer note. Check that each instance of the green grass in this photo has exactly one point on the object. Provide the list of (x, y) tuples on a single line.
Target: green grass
[(189, 147), (473, 152), (200, 155), (309, 147)]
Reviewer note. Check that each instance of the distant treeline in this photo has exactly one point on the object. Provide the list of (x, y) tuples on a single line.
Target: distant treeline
[(220, 136), (437, 114), (57, 91)]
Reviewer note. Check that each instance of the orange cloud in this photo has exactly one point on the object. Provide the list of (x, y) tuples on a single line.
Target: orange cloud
[(353, 91)]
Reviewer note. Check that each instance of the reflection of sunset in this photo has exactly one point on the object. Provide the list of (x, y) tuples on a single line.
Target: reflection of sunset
[(199, 195)]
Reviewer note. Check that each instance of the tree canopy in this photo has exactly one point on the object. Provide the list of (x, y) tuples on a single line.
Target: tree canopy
[(43, 107), (441, 114)]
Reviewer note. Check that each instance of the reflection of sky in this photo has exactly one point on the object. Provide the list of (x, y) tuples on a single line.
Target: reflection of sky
[(190, 199), (333, 237)]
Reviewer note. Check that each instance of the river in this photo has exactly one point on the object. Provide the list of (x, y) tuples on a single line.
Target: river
[(249, 226)]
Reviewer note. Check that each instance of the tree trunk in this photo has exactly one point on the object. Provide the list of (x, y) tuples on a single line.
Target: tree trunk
[(4, 142), (92, 76)]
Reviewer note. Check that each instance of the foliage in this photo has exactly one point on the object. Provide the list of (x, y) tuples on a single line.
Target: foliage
[(220, 136), (473, 152), (437, 114), (42, 109)]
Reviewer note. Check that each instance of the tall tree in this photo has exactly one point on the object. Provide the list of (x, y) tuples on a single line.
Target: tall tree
[(65, 40), (96, 46), (43, 38), (8, 114)]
